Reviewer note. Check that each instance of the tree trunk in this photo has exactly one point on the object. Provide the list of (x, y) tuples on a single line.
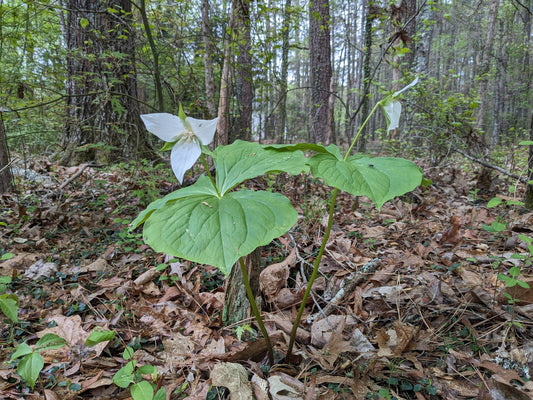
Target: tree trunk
[(365, 99), (222, 136), (236, 303), (103, 115), (6, 178), (320, 74), (155, 56), (244, 92), (528, 202), (486, 63), (208, 61), (284, 70)]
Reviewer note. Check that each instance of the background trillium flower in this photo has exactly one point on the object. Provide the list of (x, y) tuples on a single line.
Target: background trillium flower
[(187, 134), (393, 108)]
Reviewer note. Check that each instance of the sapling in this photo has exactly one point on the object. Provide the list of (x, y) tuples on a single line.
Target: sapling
[(217, 222)]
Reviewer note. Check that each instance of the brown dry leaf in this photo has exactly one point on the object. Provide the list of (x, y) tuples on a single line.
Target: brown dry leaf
[(383, 339), (524, 295), (285, 387), (405, 334), (323, 329), (70, 329), (274, 277), (234, 377), (177, 348), (214, 301), (453, 235), (50, 395)]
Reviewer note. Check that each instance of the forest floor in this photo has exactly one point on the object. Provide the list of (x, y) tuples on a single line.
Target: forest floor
[(429, 317)]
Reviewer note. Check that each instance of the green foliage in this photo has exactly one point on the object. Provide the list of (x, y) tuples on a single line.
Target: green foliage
[(32, 363), (8, 301)]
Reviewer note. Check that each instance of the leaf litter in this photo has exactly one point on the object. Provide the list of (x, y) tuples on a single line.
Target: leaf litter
[(409, 303)]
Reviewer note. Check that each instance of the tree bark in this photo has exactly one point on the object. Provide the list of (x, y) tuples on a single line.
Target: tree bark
[(486, 63), (236, 304), (223, 125), (103, 115), (208, 61), (6, 178), (528, 202), (244, 92), (320, 74)]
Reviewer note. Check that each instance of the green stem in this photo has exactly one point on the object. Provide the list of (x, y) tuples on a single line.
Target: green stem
[(361, 129), (204, 161), (324, 242), (315, 271), (255, 311)]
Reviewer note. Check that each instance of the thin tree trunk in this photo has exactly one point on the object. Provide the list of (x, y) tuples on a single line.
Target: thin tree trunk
[(320, 59), (155, 56), (284, 70), (208, 61), (222, 137), (528, 202), (486, 63), (6, 178), (243, 72)]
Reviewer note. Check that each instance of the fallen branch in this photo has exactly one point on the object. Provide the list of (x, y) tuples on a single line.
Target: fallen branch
[(78, 173), (486, 164), (350, 283)]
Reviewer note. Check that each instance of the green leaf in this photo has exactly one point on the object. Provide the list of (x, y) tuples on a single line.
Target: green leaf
[(526, 143), (124, 376), (30, 367), (142, 391), (128, 353), (6, 256), (318, 148), (9, 307), (496, 201), (161, 394), (380, 178), (99, 336), (523, 284), (148, 370), (50, 341), (84, 22), (202, 186), (5, 279), (21, 350), (213, 230), (241, 160)]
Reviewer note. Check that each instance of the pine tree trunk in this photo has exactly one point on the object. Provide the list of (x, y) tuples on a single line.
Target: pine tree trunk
[(208, 61), (320, 74), (6, 178), (486, 63), (103, 114)]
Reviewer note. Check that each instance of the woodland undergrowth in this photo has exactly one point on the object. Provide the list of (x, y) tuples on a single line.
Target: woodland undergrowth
[(429, 316)]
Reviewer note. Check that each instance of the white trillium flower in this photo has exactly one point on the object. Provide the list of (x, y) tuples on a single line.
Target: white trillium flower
[(393, 108), (187, 134)]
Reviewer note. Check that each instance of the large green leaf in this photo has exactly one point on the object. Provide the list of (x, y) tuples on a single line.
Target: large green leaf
[(240, 161), (201, 187), (214, 230), (142, 391), (379, 178), (30, 367)]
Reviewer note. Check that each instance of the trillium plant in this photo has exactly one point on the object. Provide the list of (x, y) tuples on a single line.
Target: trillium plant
[(217, 222)]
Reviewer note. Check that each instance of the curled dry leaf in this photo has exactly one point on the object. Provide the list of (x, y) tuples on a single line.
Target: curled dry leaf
[(274, 277)]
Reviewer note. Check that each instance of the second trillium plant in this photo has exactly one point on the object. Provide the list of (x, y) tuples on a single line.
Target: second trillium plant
[(216, 221)]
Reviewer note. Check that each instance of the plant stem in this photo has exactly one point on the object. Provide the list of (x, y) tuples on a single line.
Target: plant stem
[(324, 242), (361, 129), (204, 161), (255, 311), (315, 271)]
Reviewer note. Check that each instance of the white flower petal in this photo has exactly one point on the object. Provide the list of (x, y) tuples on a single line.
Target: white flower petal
[(415, 81), (164, 125), (393, 109), (203, 129), (183, 156)]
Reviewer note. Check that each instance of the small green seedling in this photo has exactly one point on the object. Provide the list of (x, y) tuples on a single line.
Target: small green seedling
[(8, 301), (32, 363)]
